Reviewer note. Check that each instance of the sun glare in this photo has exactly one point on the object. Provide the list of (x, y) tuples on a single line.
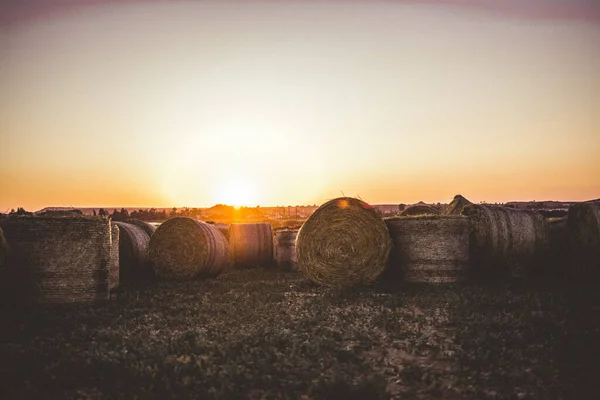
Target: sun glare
[(237, 193)]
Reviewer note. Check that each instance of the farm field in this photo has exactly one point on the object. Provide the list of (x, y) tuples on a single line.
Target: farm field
[(257, 334)]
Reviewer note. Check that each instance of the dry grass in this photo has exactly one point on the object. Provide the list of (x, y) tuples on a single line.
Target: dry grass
[(344, 242), (583, 224), (183, 248), (420, 209), (432, 249), (456, 205)]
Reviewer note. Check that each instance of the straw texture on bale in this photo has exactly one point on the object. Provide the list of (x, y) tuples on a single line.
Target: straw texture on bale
[(344, 242), (251, 245), (57, 260), (420, 209), (456, 205), (133, 252), (146, 227), (284, 247), (183, 248), (560, 249), (433, 249), (113, 273), (505, 241), (3, 249), (583, 223)]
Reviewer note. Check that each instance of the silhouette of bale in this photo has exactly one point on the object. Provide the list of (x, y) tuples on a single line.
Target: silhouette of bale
[(251, 245), (429, 248), (183, 248), (583, 223), (344, 242), (113, 274), (505, 241), (146, 227), (134, 243), (284, 247), (57, 259), (3, 249), (420, 209), (456, 205)]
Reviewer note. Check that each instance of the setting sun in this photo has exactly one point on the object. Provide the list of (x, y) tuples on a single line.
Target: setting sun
[(237, 193)]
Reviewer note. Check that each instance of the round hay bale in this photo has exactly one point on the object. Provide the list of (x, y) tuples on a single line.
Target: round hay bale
[(344, 242), (433, 249), (251, 245), (224, 229), (133, 252), (3, 249), (456, 205), (583, 224), (506, 241), (559, 246), (113, 274), (284, 248), (184, 248), (57, 260), (146, 226), (420, 209)]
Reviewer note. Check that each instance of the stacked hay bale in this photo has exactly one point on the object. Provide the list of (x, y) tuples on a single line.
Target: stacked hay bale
[(284, 248), (133, 252), (456, 205), (433, 248), (583, 224), (146, 227), (183, 248), (344, 242), (57, 260), (113, 274), (505, 241), (420, 209), (251, 245)]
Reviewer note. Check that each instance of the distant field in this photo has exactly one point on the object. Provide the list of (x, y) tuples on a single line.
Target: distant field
[(264, 334)]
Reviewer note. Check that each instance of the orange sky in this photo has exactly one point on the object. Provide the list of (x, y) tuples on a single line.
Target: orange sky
[(144, 103)]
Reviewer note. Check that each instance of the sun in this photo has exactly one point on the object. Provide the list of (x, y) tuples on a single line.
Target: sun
[(237, 193)]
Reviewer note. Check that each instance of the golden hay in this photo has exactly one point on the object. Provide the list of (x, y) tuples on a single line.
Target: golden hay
[(183, 248), (456, 205), (344, 242), (57, 260), (133, 252), (146, 227), (251, 245), (505, 241), (432, 249), (420, 209), (113, 273), (284, 248), (583, 224)]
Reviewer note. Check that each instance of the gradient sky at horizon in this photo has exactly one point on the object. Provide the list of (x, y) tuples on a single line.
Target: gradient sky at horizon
[(147, 103)]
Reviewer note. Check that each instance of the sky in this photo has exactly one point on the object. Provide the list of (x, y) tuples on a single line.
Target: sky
[(181, 103)]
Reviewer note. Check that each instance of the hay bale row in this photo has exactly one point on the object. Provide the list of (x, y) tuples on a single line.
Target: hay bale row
[(133, 252), (420, 209), (251, 245), (113, 273), (456, 206), (183, 248), (433, 249), (145, 226), (57, 260), (505, 241), (284, 248), (583, 224), (344, 242)]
